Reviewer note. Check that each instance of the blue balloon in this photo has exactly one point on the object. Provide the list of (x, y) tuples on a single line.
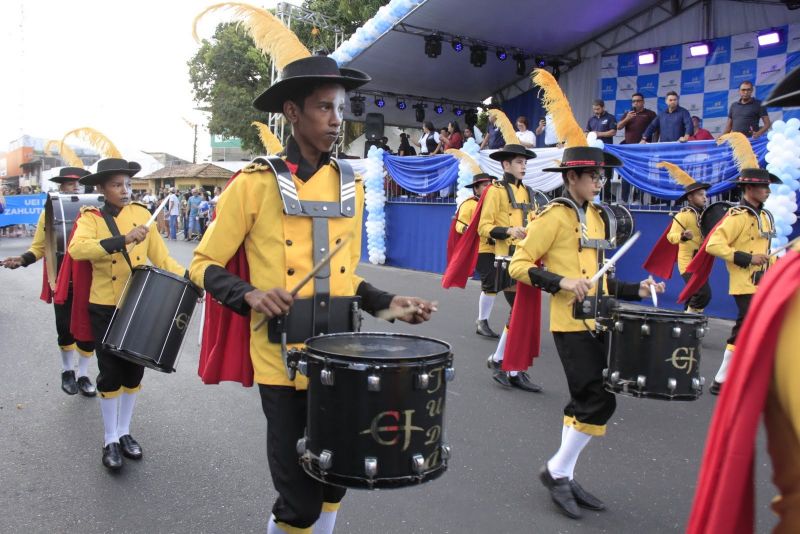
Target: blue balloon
[(784, 189)]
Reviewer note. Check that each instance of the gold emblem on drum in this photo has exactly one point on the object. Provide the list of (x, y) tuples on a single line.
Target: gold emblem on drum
[(683, 358), (181, 320), (393, 418)]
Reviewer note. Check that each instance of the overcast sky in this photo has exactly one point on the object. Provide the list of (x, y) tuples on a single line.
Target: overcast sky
[(119, 67)]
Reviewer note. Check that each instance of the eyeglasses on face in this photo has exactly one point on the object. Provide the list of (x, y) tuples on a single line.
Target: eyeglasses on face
[(596, 176)]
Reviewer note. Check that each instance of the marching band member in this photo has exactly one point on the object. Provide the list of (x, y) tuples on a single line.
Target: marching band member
[(265, 220), (102, 237), (742, 239), (67, 181), (682, 238), (560, 237)]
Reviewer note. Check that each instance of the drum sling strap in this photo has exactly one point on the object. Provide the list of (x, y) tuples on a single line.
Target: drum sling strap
[(768, 234), (319, 212), (526, 207), (112, 227)]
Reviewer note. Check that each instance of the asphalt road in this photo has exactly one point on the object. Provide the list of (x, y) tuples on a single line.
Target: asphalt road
[(204, 468)]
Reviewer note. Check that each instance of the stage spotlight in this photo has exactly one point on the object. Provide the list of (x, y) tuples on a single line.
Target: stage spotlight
[(419, 111), (438, 109), (769, 38), (457, 111), (541, 62), (401, 104), (433, 45), (477, 55), (501, 54), (379, 101), (699, 49), (519, 59), (647, 57), (457, 44), (357, 105)]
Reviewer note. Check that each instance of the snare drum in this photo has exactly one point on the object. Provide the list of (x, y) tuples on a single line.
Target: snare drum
[(502, 280), (653, 353), (619, 222), (150, 321), (375, 409), (712, 215), (60, 212)]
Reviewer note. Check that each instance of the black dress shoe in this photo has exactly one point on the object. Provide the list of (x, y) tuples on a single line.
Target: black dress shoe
[(484, 330), (493, 365), (523, 382), (68, 383), (111, 456), (561, 493), (584, 498), (86, 387), (130, 447), (501, 377), (715, 388)]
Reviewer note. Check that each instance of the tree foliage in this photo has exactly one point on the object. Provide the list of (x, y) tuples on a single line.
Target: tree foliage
[(227, 72)]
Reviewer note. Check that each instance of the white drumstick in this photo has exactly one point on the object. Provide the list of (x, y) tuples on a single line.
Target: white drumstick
[(152, 219), (610, 263), (653, 294), (784, 247)]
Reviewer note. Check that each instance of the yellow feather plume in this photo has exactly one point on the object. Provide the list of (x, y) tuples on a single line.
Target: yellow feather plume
[(270, 141), (463, 156), (555, 102), (65, 152), (676, 173), (504, 125), (97, 140), (270, 35), (742, 150)]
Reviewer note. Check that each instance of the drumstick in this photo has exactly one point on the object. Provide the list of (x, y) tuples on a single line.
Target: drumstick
[(675, 218), (317, 268), (151, 220), (653, 294), (784, 247), (617, 255), (390, 315)]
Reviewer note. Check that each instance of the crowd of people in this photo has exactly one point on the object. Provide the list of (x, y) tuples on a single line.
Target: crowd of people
[(187, 213)]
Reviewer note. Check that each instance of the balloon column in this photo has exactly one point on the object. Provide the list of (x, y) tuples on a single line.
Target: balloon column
[(465, 171), (374, 202), (783, 160), (386, 17)]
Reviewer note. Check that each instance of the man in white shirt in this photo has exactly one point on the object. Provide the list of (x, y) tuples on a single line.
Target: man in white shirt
[(547, 126), (150, 200), (174, 207)]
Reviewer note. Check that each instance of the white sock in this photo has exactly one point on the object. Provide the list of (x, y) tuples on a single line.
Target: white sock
[(325, 523), (485, 303), (67, 360), (83, 366), (273, 528), (110, 410), (723, 369), (126, 403), (501, 346), (564, 430), (563, 463)]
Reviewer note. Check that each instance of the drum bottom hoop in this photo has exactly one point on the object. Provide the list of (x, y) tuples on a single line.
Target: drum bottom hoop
[(644, 394), (352, 482), (139, 359)]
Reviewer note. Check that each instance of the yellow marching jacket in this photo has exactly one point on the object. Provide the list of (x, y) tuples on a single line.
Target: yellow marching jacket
[(497, 214), (463, 217), (687, 217)]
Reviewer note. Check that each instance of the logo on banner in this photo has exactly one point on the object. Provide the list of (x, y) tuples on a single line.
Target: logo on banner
[(715, 104), (648, 85), (744, 46), (672, 83), (608, 65), (773, 69), (693, 107), (720, 51), (717, 76), (692, 81), (671, 58), (743, 71), (627, 88), (627, 65), (608, 89)]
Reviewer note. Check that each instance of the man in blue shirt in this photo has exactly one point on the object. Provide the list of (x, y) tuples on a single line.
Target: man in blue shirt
[(673, 124), (494, 139), (194, 223), (602, 123)]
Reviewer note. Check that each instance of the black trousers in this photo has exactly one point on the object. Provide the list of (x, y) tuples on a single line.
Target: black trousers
[(700, 299), (486, 270), (115, 373), (743, 304), (63, 318), (583, 358), (300, 497)]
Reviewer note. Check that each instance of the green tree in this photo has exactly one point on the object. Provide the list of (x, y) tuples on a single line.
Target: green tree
[(228, 71)]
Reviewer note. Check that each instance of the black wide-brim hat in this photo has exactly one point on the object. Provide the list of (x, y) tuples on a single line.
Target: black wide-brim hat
[(106, 168), (512, 151), (787, 92), (582, 157), (313, 69), (757, 177), (480, 178), (691, 188), (69, 174)]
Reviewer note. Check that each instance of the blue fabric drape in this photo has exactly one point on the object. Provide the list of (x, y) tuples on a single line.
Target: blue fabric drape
[(705, 161), (422, 174)]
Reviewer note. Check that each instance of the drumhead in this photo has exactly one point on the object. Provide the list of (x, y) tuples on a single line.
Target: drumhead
[(168, 274), (539, 200), (624, 222), (632, 311), (712, 215), (377, 346), (60, 212)]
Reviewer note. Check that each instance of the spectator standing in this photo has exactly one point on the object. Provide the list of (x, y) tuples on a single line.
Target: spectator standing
[(194, 215), (185, 214), (405, 148), (524, 135), (602, 123), (745, 113), (203, 212), (700, 133), (174, 206), (672, 124), (548, 127), (636, 121), (493, 139), (454, 137), (429, 140), (443, 138)]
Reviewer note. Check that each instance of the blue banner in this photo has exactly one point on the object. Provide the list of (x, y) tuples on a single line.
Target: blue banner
[(22, 209), (422, 174)]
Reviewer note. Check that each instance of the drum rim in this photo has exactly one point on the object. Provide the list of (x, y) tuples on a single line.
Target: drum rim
[(705, 210), (636, 311), (172, 275), (377, 482), (317, 353)]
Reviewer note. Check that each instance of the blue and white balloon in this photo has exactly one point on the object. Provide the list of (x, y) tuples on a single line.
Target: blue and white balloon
[(783, 158), (375, 204)]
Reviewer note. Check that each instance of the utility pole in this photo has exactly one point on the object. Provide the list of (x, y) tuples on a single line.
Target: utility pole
[(194, 145)]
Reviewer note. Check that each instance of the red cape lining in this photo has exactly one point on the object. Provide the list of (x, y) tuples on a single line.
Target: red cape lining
[(80, 274), (661, 261), (700, 268)]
